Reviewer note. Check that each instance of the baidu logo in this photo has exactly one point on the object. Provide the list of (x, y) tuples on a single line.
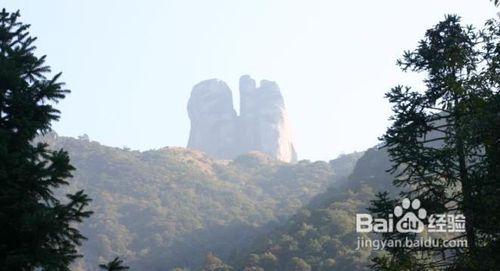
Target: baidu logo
[(409, 217), (411, 220)]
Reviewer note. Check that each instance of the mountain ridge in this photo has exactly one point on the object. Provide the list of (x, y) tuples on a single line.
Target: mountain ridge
[(151, 205)]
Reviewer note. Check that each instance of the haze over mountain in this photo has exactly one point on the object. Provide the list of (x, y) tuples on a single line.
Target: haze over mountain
[(236, 197), (321, 236), (231, 194), (325, 58), (167, 208)]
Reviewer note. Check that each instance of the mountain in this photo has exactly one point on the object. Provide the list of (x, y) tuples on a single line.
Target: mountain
[(262, 124), (321, 236), (167, 208)]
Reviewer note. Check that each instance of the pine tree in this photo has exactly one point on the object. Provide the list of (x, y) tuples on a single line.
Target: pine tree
[(485, 123), (400, 258), (115, 265), (37, 230), (441, 143)]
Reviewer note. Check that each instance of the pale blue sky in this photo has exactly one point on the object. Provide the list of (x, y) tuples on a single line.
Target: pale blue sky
[(131, 64)]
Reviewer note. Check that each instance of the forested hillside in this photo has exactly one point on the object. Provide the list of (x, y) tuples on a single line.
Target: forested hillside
[(322, 235), (168, 208)]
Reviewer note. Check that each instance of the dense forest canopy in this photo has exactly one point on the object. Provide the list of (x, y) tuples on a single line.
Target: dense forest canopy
[(167, 208)]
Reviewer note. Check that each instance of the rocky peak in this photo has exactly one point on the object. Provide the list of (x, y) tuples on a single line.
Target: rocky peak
[(213, 119), (262, 125)]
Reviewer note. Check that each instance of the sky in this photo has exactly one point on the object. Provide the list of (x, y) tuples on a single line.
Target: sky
[(131, 65)]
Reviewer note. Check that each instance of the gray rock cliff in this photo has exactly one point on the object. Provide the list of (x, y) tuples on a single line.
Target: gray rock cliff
[(262, 125), (213, 119)]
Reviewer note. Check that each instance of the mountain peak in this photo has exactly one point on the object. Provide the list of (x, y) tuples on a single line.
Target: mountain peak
[(262, 124)]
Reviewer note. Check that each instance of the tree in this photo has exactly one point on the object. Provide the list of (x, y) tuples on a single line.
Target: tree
[(298, 264), (440, 142), (268, 261), (38, 230), (486, 127), (212, 263), (400, 258), (115, 265)]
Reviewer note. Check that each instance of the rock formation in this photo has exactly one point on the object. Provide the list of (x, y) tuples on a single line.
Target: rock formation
[(213, 119), (262, 125)]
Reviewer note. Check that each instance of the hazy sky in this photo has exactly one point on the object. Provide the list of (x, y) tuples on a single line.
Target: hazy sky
[(131, 64)]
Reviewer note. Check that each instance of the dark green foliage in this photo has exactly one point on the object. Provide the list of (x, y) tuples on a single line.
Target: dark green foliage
[(115, 265), (37, 230), (401, 258), (443, 143)]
